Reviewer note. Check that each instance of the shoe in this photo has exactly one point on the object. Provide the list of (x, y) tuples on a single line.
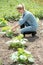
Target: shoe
[(34, 34)]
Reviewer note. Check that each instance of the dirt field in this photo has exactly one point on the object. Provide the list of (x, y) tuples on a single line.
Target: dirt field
[(34, 45)]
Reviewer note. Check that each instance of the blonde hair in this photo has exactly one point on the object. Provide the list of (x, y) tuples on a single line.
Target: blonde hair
[(21, 6)]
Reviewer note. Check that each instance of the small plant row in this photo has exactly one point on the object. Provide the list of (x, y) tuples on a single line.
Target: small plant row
[(5, 28), (21, 56)]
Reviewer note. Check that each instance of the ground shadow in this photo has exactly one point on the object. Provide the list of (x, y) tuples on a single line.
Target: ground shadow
[(15, 63), (32, 39)]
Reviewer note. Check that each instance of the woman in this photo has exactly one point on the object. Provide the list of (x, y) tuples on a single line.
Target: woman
[(27, 22)]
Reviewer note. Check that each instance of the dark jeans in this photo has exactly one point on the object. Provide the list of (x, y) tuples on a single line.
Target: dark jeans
[(29, 32)]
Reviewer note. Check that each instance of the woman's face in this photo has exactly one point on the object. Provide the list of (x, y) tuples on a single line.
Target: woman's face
[(20, 11)]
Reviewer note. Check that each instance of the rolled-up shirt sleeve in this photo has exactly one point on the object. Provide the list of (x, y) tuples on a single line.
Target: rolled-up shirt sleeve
[(23, 20)]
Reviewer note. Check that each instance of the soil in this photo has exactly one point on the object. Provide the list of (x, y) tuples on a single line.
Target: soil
[(34, 45)]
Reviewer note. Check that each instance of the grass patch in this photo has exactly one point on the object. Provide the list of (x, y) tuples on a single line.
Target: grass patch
[(8, 8)]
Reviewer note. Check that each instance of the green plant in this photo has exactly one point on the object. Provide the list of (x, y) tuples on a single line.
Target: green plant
[(3, 22), (9, 32), (22, 56), (19, 37), (17, 42), (0, 62), (6, 28), (8, 8)]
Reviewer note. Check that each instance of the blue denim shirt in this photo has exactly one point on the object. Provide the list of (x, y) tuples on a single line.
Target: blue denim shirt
[(28, 19)]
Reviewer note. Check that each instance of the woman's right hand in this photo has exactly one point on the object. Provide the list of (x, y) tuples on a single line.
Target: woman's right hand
[(13, 29)]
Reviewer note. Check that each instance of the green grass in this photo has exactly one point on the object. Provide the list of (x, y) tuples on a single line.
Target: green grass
[(0, 62), (8, 8)]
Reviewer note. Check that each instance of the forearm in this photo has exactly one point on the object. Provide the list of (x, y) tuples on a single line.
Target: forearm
[(15, 26)]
